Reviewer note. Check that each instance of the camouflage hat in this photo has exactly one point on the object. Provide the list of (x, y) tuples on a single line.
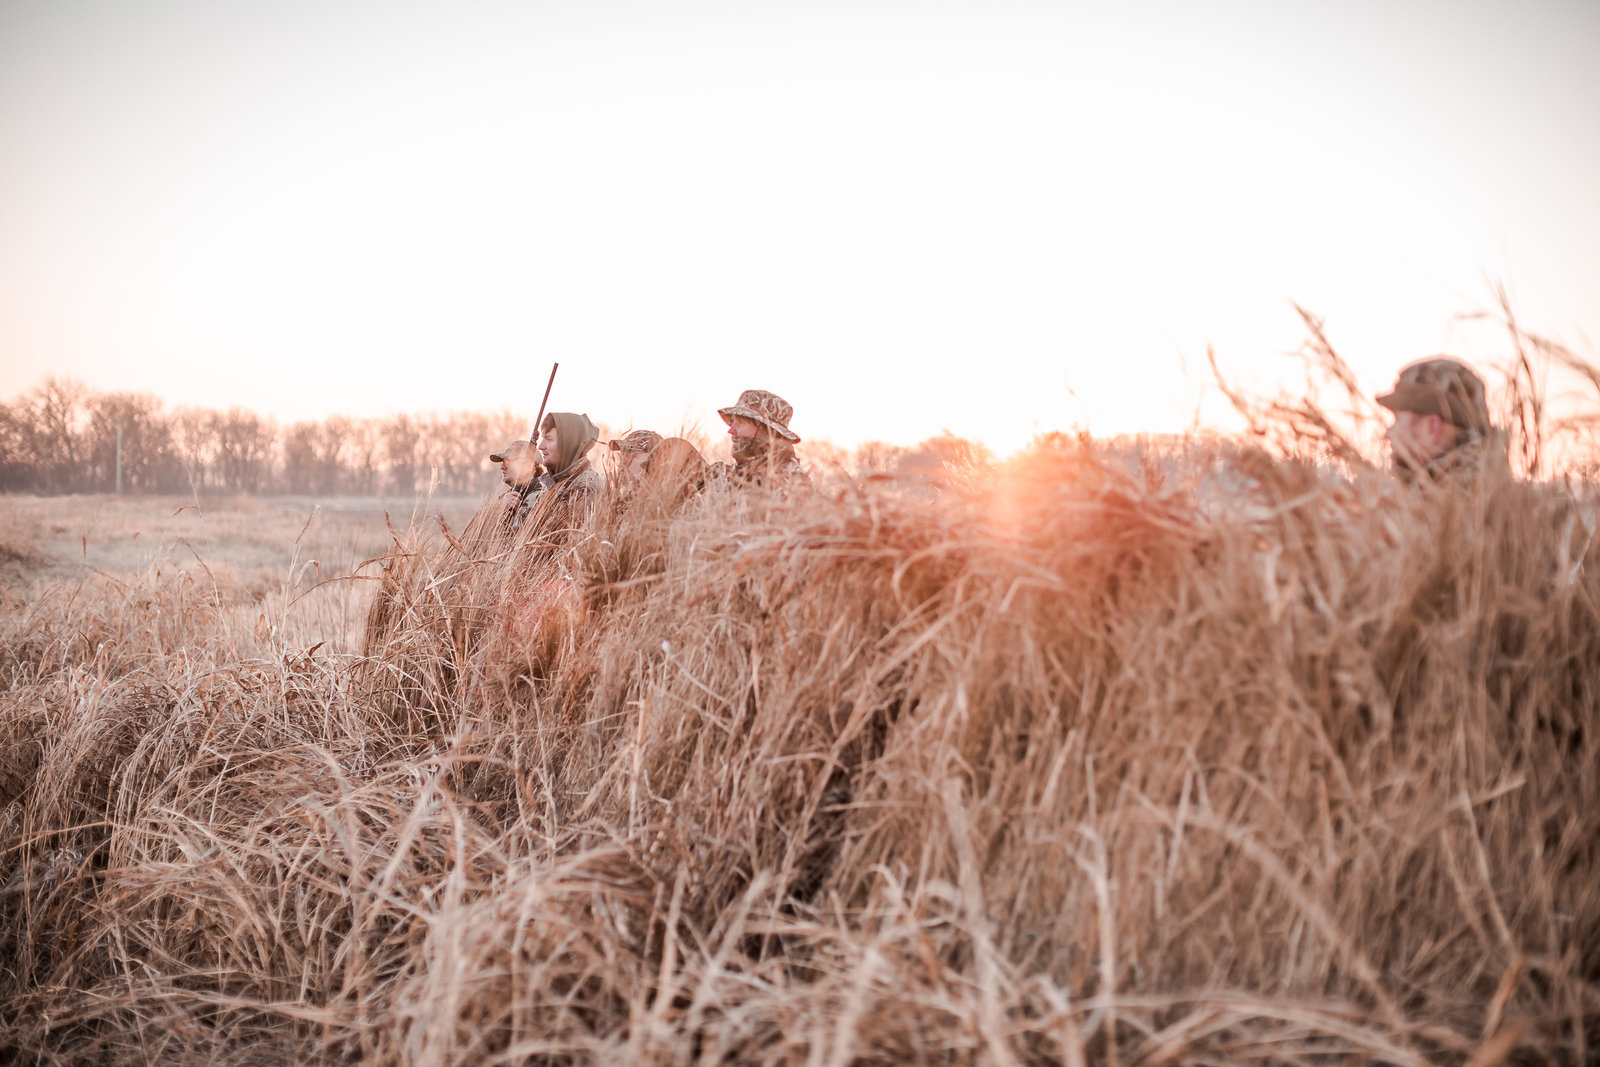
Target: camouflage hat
[(1444, 387), (510, 452), (768, 409), (635, 442)]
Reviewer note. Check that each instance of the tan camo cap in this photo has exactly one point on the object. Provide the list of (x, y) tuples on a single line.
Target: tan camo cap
[(1444, 387), (635, 442), (768, 409), (511, 451)]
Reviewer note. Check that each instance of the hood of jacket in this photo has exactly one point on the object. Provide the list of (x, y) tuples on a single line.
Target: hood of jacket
[(575, 435)]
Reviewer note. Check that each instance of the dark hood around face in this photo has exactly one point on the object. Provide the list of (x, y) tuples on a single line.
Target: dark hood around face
[(575, 435)]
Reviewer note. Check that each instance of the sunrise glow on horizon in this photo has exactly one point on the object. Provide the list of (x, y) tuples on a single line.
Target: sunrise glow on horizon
[(993, 218)]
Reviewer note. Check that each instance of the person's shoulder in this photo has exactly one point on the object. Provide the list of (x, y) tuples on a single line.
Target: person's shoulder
[(793, 473), (1471, 463)]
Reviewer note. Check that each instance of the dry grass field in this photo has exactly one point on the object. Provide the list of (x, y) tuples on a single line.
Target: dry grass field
[(1225, 758), (248, 552)]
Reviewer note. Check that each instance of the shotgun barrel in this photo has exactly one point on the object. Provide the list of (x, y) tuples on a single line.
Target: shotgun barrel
[(533, 437)]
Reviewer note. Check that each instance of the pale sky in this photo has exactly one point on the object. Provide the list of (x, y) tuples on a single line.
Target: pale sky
[(992, 216)]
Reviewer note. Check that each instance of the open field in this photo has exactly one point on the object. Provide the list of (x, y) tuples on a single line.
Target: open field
[(1221, 759), (247, 551)]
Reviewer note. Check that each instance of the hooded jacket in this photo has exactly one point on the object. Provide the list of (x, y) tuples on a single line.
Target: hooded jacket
[(565, 494), (768, 462), (575, 435)]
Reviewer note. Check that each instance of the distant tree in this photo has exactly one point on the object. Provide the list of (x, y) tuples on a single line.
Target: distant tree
[(400, 437), (244, 442), (322, 457), (194, 442), (363, 464), (451, 450), (149, 460), (18, 465), (333, 440), (300, 458), (51, 419), (62, 437)]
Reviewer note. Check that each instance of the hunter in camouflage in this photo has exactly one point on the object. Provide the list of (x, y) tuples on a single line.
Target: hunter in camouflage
[(633, 450), (763, 444), (1441, 431), (519, 468), (566, 492)]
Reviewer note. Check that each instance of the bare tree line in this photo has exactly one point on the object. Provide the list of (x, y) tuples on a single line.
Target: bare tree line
[(62, 437)]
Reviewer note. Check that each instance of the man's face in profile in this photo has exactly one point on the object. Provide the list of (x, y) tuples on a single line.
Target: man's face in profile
[(749, 437), (1418, 440), (519, 469), (549, 446)]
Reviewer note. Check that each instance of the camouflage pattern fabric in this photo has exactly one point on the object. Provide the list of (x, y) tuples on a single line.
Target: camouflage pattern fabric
[(1474, 458), (773, 467), (513, 451), (1444, 387), (635, 441), (560, 501), (517, 514), (1453, 391), (567, 500), (764, 409), (564, 495)]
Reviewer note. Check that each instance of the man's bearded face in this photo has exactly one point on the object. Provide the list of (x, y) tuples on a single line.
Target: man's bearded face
[(752, 447)]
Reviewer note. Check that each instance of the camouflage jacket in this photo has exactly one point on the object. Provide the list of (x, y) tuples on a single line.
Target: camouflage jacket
[(1470, 460), (567, 499), (557, 502), (518, 502), (777, 468)]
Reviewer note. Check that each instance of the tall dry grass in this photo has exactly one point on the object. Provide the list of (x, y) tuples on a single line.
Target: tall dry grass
[(1214, 757)]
